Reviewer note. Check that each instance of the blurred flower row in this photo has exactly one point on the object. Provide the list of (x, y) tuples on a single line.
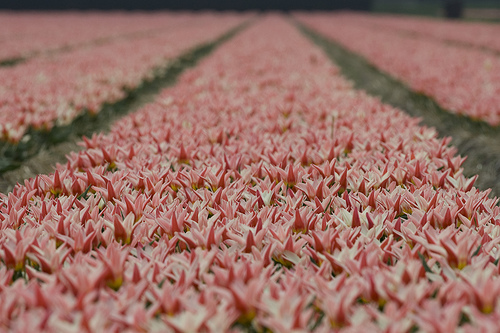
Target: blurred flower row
[(475, 34), (50, 90), (261, 193), (461, 79), (25, 34)]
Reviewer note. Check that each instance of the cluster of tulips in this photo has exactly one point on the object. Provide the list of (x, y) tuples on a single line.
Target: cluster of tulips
[(53, 90), (474, 34), (461, 79), (261, 193), (24, 34)]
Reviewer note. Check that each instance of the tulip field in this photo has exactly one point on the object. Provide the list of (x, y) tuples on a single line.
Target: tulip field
[(25, 35), (260, 193), (55, 89), (464, 80)]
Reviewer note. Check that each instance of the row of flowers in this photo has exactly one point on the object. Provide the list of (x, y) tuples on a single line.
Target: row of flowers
[(24, 34), (261, 193), (53, 90), (476, 34), (462, 80)]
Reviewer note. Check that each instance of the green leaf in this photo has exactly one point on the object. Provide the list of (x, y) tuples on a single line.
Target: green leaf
[(84, 194), (424, 263), (477, 251), (328, 206)]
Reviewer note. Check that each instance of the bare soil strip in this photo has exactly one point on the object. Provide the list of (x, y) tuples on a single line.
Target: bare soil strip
[(12, 61), (475, 139), (44, 149)]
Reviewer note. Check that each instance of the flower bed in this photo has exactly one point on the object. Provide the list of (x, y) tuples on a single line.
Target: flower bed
[(464, 81), (55, 89), (260, 193), (474, 34), (25, 34)]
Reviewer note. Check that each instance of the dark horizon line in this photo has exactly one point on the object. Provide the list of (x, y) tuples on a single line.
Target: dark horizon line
[(187, 5)]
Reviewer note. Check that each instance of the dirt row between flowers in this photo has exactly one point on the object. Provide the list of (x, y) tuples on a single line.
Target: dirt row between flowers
[(45, 149), (474, 139)]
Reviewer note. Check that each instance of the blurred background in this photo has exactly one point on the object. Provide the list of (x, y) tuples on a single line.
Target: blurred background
[(468, 9)]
